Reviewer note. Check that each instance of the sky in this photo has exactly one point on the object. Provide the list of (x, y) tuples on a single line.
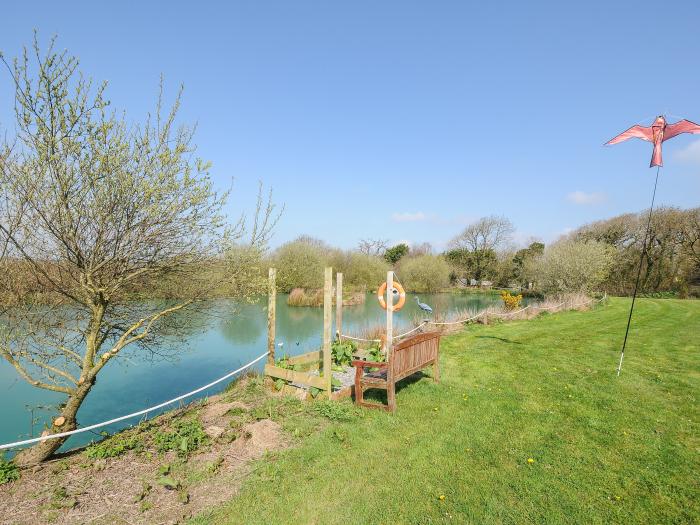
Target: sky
[(403, 120)]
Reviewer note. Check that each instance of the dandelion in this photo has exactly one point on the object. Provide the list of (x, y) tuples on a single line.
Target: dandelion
[(442, 497), (530, 461), (617, 498)]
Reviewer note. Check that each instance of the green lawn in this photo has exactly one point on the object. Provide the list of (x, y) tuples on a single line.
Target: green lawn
[(605, 449)]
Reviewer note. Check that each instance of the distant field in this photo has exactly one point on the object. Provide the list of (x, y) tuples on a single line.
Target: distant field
[(602, 449)]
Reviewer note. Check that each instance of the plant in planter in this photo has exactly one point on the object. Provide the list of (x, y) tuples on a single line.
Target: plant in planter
[(341, 353)]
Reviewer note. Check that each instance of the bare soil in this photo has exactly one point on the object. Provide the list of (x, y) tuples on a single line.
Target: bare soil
[(129, 488)]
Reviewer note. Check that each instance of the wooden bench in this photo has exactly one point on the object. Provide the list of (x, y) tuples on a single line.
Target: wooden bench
[(407, 357)]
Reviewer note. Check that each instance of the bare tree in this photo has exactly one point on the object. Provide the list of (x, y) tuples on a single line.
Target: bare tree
[(94, 211), (488, 233), (375, 247), (423, 248)]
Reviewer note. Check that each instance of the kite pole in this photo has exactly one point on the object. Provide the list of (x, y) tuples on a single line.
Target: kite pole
[(639, 271)]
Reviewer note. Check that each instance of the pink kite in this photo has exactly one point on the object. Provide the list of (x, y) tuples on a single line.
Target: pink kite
[(657, 133)]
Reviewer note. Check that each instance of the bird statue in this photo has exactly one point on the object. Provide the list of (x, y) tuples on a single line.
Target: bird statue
[(424, 306), (657, 133)]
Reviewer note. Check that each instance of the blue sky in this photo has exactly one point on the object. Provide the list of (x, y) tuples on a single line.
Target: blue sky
[(404, 120)]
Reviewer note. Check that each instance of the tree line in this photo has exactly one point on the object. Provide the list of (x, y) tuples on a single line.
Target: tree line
[(602, 256)]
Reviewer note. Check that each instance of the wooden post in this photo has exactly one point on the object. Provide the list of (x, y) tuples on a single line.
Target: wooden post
[(271, 303), (390, 391), (389, 310), (339, 303), (327, 321)]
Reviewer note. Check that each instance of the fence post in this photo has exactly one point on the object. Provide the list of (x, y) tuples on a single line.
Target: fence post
[(327, 321), (390, 393), (389, 310), (271, 304), (339, 303)]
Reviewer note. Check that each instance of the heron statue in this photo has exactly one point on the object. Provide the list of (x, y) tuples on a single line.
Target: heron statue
[(424, 306)]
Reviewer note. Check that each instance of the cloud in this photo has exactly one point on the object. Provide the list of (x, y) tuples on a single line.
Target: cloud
[(690, 154), (408, 217), (583, 198)]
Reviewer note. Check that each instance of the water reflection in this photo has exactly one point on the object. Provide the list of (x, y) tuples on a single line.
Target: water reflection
[(212, 340)]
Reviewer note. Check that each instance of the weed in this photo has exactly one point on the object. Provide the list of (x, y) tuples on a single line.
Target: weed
[(59, 467), (342, 351), (60, 499), (145, 491), (185, 437), (213, 466), (168, 482), (334, 410), (115, 446), (8, 470)]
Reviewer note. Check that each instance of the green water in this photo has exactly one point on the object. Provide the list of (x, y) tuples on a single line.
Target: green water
[(235, 336)]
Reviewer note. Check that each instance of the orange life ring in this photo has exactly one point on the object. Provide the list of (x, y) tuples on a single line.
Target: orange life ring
[(381, 295)]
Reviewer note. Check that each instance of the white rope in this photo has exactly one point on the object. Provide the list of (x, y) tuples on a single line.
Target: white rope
[(505, 314), (128, 416), (549, 307), (459, 321), (412, 330), (359, 338)]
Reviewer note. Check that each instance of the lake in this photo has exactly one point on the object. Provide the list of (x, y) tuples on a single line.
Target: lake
[(228, 341)]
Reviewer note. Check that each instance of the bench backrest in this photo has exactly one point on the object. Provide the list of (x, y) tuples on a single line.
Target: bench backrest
[(414, 352)]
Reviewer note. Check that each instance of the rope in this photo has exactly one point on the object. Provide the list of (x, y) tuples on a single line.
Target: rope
[(359, 338), (460, 321), (510, 313), (412, 330), (549, 307), (134, 414)]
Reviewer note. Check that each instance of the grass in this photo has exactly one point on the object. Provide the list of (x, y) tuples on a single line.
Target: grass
[(529, 425)]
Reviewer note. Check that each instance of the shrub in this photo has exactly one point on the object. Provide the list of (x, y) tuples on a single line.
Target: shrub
[(300, 297), (246, 276), (299, 264), (511, 302), (364, 271), (571, 267), (395, 253), (425, 273)]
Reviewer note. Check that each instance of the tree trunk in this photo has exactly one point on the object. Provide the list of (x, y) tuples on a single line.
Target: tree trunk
[(44, 449)]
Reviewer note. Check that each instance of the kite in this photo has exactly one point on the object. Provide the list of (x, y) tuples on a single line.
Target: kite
[(659, 132)]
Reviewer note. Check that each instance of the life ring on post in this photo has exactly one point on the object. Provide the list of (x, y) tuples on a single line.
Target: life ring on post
[(397, 289)]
